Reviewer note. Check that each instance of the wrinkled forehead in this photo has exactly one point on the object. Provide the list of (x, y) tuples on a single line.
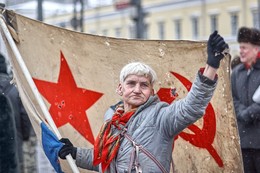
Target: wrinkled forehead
[(138, 77)]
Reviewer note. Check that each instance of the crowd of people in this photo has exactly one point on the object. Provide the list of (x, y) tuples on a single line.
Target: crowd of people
[(140, 117)]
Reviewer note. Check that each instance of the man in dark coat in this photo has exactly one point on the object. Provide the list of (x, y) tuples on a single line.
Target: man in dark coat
[(8, 140), (8, 144), (245, 80), (22, 122)]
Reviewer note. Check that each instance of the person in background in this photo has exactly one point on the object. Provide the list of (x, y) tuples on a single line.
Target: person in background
[(8, 140), (138, 134), (235, 61), (245, 79), (22, 121)]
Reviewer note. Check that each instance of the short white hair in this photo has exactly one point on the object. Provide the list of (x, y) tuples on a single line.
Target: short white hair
[(138, 68)]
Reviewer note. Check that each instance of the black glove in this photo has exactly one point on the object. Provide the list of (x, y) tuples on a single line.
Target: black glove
[(67, 149), (216, 45)]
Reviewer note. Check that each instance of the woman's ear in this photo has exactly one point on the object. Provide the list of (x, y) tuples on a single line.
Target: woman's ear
[(152, 92), (119, 90)]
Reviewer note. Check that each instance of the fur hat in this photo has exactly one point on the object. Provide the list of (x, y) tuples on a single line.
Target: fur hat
[(3, 68), (249, 35)]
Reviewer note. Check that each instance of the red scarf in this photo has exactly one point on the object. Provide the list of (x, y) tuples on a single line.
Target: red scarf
[(248, 66), (107, 144)]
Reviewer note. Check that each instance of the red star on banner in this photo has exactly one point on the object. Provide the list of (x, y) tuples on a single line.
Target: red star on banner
[(68, 102)]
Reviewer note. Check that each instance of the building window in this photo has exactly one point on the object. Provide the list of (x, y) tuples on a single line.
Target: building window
[(93, 32), (133, 34), (161, 30), (195, 27), (146, 28), (62, 24), (104, 32), (255, 19), (177, 28), (132, 31), (118, 32), (234, 24), (214, 23)]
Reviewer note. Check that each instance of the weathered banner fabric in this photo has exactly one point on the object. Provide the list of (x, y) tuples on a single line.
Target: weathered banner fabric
[(77, 75)]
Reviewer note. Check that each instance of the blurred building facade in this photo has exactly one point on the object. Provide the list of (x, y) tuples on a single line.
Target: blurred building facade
[(169, 19), (162, 19)]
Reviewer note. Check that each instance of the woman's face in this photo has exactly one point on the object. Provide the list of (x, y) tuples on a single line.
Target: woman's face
[(135, 91)]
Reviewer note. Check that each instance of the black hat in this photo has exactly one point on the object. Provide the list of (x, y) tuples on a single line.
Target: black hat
[(249, 35), (3, 68)]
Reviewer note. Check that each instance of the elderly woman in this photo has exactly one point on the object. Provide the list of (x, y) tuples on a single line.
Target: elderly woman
[(139, 131)]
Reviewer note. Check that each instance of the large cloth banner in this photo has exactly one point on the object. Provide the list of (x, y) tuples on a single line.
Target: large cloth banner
[(77, 75)]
